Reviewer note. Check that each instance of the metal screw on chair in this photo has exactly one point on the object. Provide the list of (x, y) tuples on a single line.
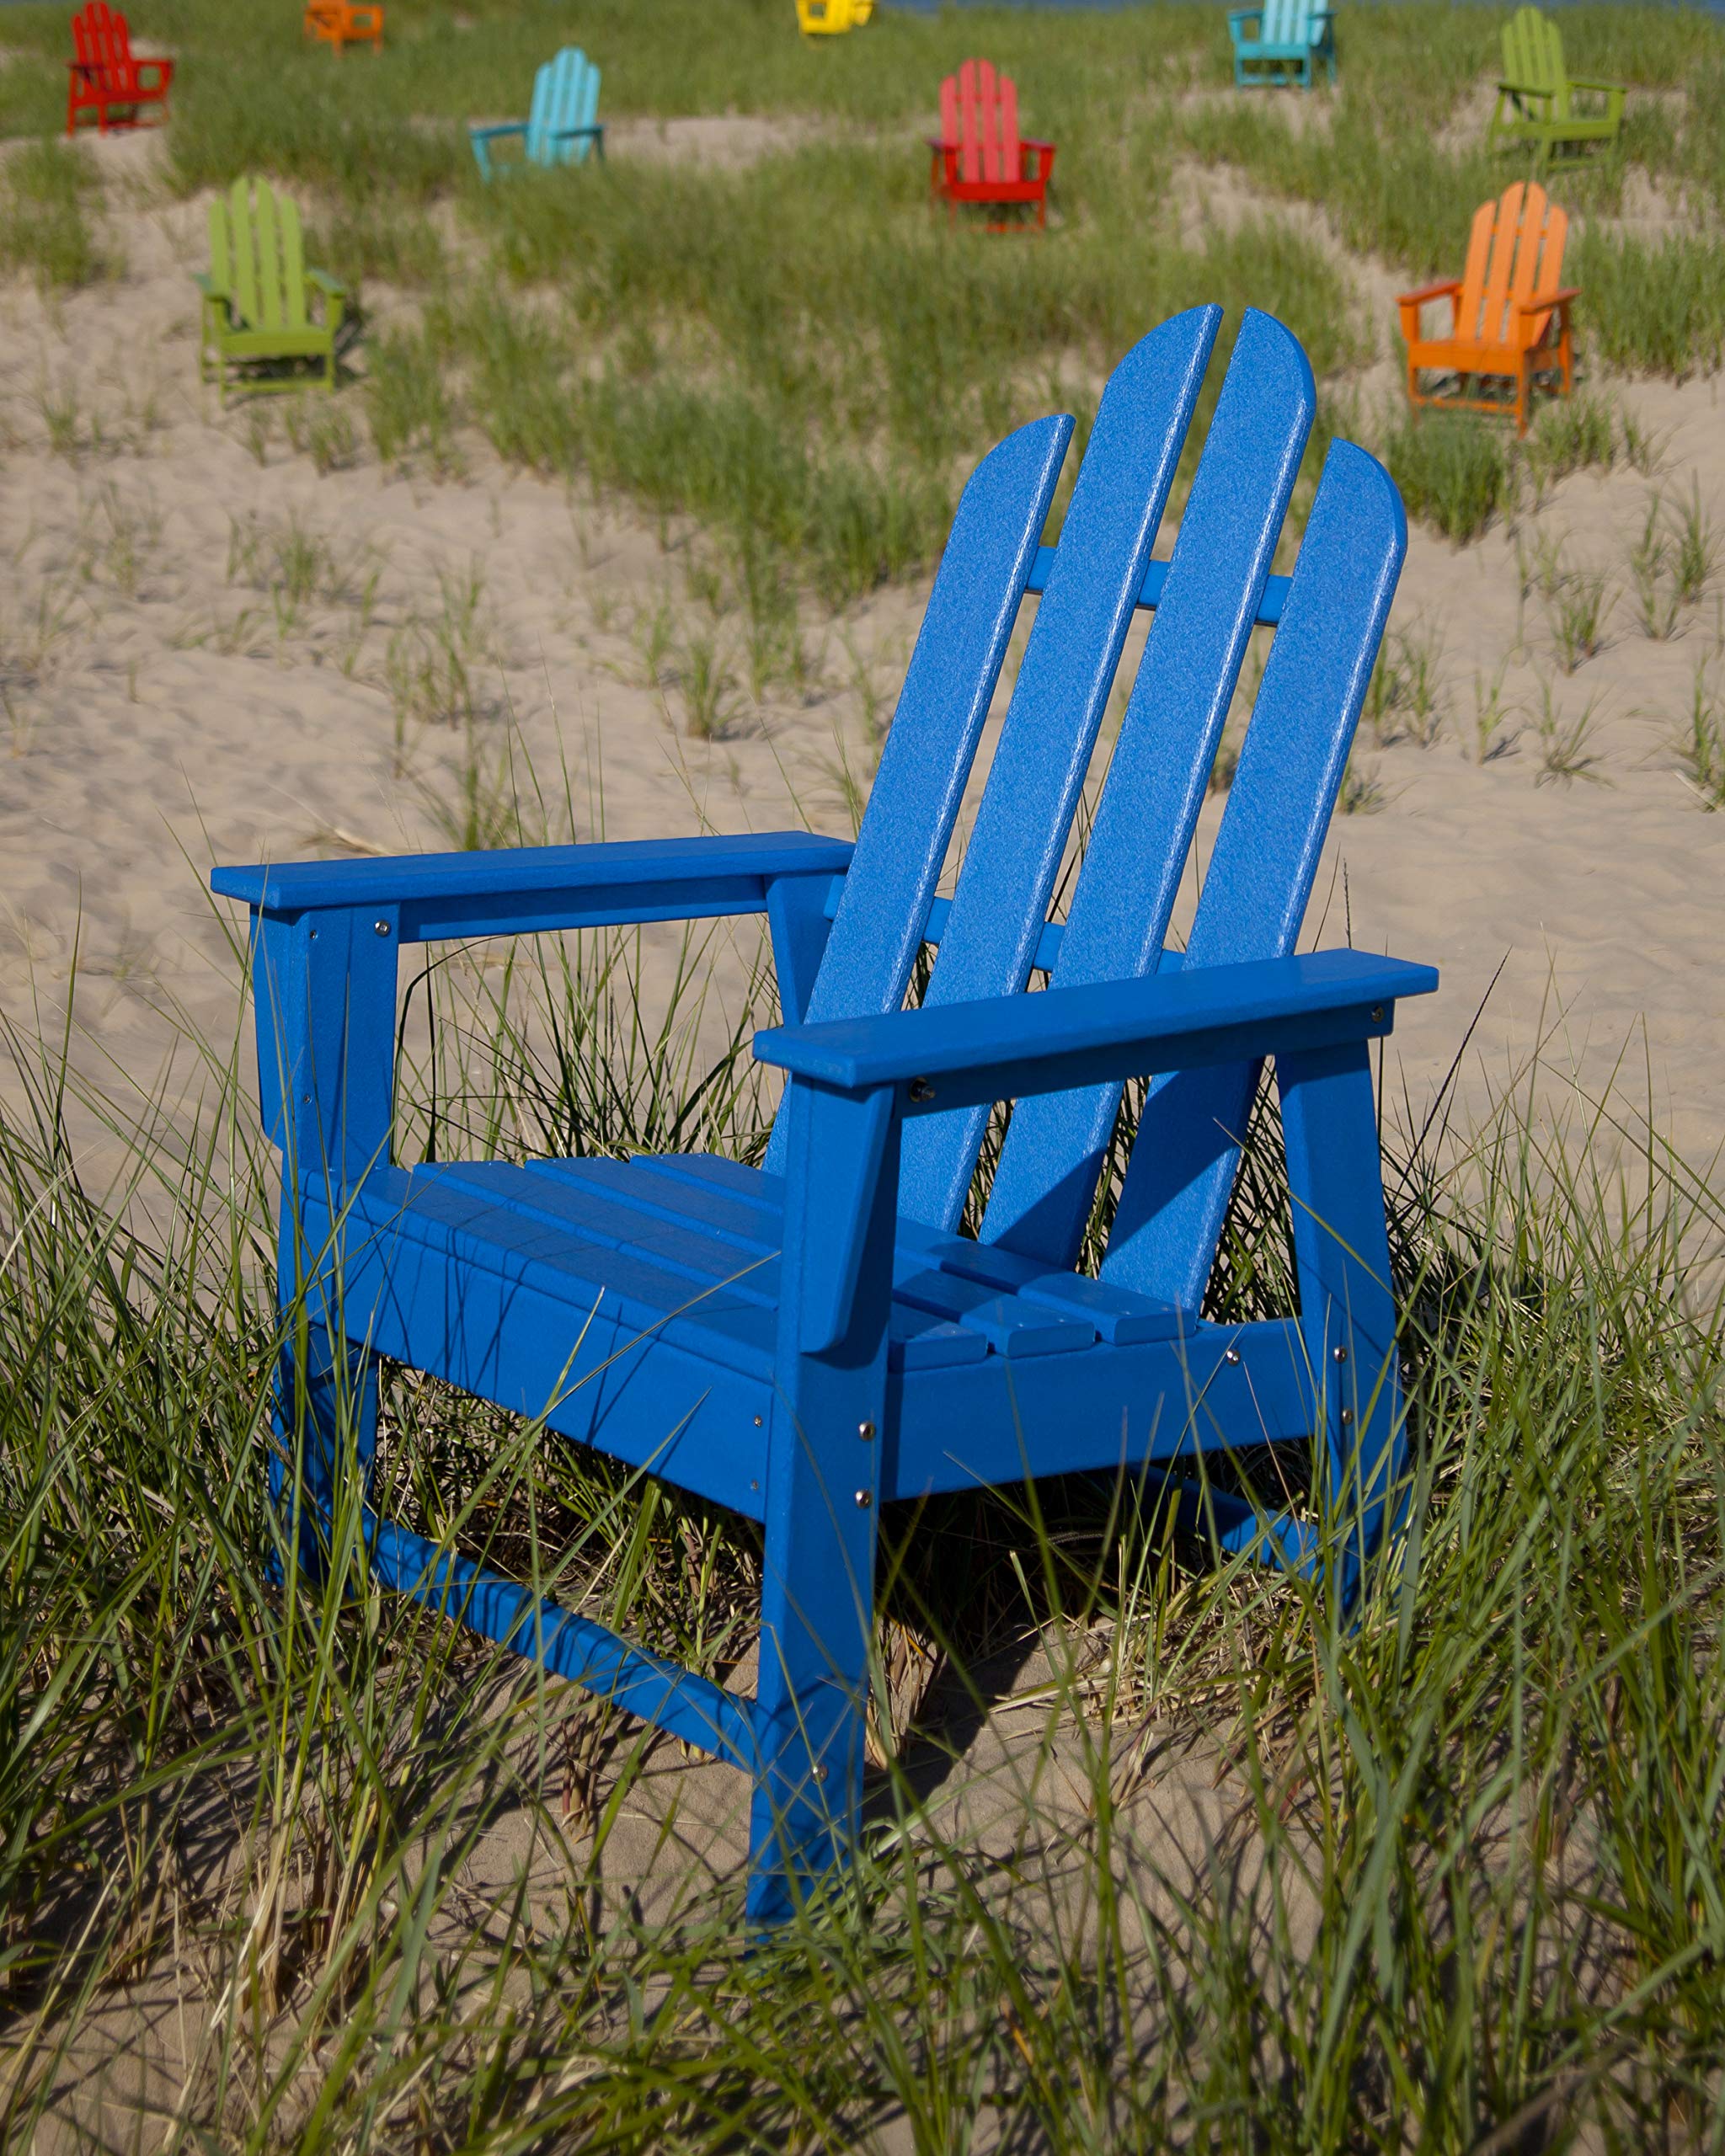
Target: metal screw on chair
[(382, 927), (865, 1498), (1231, 1354), (920, 1090), (1347, 1417), (820, 1772), (1340, 1354), (865, 1431)]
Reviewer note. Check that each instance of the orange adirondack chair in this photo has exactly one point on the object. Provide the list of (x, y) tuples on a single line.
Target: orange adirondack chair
[(105, 79), (343, 23), (980, 156), (1504, 307)]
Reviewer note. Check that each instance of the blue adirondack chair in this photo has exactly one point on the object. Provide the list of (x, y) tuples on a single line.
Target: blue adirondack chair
[(561, 126), (810, 1340), (1280, 42)]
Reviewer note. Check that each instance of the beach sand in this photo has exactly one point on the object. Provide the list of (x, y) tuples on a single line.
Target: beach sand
[(165, 711)]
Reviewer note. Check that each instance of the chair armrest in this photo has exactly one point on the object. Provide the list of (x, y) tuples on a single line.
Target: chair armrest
[(853, 1081), (331, 287), (1238, 15), (963, 1054), (524, 890), (502, 127), (1436, 291), (324, 936), (1541, 301)]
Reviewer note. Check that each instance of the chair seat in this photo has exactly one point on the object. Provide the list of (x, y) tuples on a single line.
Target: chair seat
[(1466, 355), (590, 1288), (995, 190)]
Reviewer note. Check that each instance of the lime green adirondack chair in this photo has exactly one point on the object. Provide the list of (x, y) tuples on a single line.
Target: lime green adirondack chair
[(258, 296), (1537, 99)]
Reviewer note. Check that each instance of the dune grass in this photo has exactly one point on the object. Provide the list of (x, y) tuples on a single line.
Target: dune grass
[(47, 198), (1471, 1863)]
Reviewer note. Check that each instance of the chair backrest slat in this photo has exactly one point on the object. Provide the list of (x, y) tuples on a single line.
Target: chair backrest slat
[(1539, 233), (1265, 859), (931, 743), (267, 259), (1007, 161), (1494, 300), (290, 264), (1471, 301), (1023, 822), (1045, 1184), (242, 255)]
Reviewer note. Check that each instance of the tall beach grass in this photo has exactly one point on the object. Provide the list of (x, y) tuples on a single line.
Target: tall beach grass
[(1459, 1868)]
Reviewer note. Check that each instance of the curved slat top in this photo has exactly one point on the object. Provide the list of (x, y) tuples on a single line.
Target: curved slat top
[(1016, 846)]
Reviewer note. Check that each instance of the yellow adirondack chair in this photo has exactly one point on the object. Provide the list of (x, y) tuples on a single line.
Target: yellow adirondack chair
[(827, 18), (1510, 317)]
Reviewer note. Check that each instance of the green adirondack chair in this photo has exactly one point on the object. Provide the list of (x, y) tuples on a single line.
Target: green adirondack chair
[(259, 296), (1537, 99)]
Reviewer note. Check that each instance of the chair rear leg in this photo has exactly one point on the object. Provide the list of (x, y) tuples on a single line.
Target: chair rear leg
[(1346, 1308)]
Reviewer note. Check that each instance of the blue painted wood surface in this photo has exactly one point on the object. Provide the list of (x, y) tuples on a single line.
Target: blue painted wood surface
[(561, 126), (1281, 41), (808, 1341)]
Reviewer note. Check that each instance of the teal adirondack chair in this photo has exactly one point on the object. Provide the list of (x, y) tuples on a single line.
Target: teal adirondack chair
[(1277, 44), (261, 303), (1537, 100), (560, 128)]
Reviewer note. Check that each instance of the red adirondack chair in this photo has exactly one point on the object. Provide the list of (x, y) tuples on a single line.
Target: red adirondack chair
[(105, 79), (980, 157)]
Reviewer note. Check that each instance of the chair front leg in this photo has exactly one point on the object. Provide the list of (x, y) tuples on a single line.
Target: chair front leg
[(325, 1415), (823, 1480), (1346, 1308)]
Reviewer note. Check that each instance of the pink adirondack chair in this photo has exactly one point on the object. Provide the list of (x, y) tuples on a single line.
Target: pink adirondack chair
[(105, 79), (980, 156)]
